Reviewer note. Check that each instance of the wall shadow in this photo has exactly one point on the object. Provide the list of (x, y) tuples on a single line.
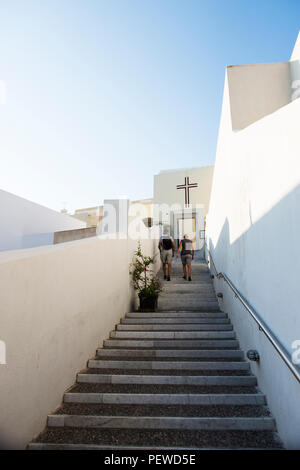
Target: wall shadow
[(263, 263)]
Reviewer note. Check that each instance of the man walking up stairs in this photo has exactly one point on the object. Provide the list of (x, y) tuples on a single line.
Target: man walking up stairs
[(172, 379)]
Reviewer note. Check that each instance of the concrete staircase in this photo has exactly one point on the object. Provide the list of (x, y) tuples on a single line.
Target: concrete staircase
[(173, 379)]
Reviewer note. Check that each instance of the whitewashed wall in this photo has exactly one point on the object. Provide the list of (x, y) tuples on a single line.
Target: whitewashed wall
[(25, 224), (253, 234), (296, 52), (257, 90), (58, 304)]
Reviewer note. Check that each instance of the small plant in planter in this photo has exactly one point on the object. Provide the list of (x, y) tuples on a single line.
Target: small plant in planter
[(144, 281)]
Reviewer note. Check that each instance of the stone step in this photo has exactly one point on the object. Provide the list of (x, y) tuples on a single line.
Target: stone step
[(146, 422), (172, 335), (187, 295), (172, 314), (154, 371), (126, 439), (197, 282), (167, 365), (169, 327), (192, 304), (195, 272), (177, 279), (196, 269), (178, 275), (165, 306), (173, 344), (188, 287), (161, 353), (173, 285), (158, 410), (197, 279), (151, 372), (233, 381), (174, 321), (166, 399), (85, 447), (178, 272), (168, 389)]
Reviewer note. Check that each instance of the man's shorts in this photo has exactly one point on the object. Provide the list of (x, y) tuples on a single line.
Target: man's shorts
[(186, 259), (166, 256)]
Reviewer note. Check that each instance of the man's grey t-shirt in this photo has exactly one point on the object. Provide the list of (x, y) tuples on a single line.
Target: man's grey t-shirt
[(187, 247)]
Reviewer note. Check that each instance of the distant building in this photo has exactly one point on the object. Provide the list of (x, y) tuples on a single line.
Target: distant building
[(93, 215), (90, 215)]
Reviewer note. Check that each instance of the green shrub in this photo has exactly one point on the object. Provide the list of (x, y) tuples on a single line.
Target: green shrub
[(144, 280)]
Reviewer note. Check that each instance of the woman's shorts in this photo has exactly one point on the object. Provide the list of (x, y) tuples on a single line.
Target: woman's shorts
[(186, 259), (166, 256)]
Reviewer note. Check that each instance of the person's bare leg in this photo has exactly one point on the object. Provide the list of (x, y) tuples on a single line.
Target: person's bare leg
[(169, 269), (184, 270), (189, 270), (164, 269)]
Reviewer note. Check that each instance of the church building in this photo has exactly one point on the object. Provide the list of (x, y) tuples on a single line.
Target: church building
[(181, 202)]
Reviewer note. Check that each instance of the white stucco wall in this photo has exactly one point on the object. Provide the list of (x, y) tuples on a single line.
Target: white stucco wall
[(296, 51), (257, 90), (58, 303), (25, 224), (253, 234)]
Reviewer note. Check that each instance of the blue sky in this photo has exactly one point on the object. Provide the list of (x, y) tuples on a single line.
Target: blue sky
[(102, 94)]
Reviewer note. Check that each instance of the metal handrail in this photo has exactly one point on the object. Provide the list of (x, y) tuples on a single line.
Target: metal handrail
[(262, 325)]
